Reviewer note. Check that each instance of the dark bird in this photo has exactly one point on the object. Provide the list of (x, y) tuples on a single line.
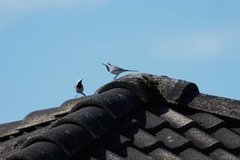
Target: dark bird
[(79, 88), (116, 70)]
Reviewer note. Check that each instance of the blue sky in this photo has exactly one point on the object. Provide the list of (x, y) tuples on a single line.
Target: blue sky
[(47, 45)]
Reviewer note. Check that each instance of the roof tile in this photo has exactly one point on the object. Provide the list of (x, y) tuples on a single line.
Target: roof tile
[(172, 139), (131, 85), (176, 119), (39, 151), (237, 130), (67, 106), (173, 90), (108, 155), (141, 139), (136, 154), (217, 105), (95, 120), (208, 121), (99, 152), (9, 129), (221, 154), (14, 144), (149, 121), (37, 118), (113, 140), (69, 137), (115, 103), (190, 154), (230, 139), (201, 139), (163, 154)]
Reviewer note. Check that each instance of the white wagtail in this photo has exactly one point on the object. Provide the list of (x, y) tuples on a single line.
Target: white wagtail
[(116, 70), (79, 88)]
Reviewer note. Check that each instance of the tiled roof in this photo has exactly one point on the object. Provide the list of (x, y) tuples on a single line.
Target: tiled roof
[(138, 116)]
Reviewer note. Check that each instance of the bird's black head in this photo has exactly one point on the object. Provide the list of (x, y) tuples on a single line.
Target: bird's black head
[(107, 65), (79, 84)]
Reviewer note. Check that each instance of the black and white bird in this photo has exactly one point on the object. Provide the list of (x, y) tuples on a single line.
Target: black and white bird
[(79, 88), (116, 70)]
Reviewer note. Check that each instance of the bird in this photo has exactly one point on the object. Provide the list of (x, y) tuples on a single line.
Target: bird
[(79, 87), (116, 70)]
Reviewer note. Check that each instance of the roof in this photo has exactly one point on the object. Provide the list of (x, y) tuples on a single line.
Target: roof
[(139, 116)]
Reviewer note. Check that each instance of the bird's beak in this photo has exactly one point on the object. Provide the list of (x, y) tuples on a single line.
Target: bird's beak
[(104, 64)]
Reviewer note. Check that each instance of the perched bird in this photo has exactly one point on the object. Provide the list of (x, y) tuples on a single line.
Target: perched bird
[(79, 87), (116, 70)]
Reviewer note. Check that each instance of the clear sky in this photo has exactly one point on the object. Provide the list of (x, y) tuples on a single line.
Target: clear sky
[(47, 45)]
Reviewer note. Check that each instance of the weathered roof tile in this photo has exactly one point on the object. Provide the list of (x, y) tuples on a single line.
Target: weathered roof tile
[(136, 154), (141, 139), (38, 118), (217, 105), (201, 139), (230, 139), (221, 154), (149, 121), (176, 119), (208, 121), (39, 151), (113, 140), (68, 137), (115, 103), (9, 129), (172, 139), (163, 154), (95, 120), (14, 144), (190, 154)]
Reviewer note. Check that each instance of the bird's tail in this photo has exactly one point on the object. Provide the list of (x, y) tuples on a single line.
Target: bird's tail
[(131, 70)]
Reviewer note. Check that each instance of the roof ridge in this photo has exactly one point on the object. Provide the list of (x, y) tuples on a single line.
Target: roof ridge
[(91, 121), (163, 88)]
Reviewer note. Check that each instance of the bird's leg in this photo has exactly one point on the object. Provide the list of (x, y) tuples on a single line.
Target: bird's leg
[(83, 94), (76, 95), (116, 76)]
